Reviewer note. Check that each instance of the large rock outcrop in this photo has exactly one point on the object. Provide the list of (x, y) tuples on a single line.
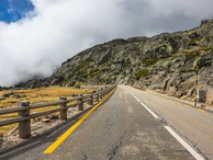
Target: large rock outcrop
[(165, 62)]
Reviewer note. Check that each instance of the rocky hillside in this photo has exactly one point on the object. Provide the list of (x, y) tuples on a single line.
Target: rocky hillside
[(165, 62)]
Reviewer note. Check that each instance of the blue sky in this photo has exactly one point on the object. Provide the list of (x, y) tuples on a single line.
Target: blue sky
[(14, 10)]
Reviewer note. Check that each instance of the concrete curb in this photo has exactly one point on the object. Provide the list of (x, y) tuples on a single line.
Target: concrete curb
[(199, 105)]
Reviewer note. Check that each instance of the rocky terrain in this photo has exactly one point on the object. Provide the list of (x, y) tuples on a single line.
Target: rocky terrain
[(3, 88), (165, 63)]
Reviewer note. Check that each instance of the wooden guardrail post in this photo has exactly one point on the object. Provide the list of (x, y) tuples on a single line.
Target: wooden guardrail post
[(24, 107), (91, 99), (24, 126), (1, 139), (105, 90), (80, 106), (101, 93), (98, 96), (63, 112)]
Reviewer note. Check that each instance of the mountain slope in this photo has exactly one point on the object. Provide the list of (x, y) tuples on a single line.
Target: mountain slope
[(165, 62)]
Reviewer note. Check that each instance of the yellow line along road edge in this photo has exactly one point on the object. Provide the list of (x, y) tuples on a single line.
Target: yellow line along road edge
[(55, 144), (178, 102)]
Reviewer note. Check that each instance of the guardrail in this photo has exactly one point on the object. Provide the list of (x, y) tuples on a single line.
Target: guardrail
[(24, 107)]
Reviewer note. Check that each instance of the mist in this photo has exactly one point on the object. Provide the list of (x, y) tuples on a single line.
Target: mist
[(56, 30)]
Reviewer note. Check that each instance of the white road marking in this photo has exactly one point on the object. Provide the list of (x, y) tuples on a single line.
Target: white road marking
[(184, 144), (147, 108), (175, 135), (135, 97), (129, 108)]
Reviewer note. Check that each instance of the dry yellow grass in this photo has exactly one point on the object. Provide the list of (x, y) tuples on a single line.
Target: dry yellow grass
[(35, 96)]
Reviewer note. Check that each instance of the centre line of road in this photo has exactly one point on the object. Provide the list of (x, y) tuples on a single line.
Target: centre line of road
[(135, 97), (129, 108), (55, 144), (147, 108), (184, 144)]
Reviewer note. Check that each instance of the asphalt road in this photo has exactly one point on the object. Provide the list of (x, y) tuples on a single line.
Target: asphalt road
[(194, 125), (123, 129)]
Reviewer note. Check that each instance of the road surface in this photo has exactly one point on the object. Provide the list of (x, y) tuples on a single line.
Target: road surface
[(131, 125)]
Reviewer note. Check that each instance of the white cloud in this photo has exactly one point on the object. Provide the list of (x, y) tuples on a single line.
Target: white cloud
[(58, 29), (191, 8)]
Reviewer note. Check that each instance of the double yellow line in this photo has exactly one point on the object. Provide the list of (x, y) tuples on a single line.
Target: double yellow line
[(53, 146)]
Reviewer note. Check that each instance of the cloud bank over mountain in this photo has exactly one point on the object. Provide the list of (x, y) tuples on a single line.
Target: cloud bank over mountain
[(58, 29)]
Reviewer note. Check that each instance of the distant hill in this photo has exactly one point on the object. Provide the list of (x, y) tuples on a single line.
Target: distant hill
[(165, 62)]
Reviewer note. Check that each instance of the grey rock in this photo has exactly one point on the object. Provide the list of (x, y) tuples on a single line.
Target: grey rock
[(165, 62), (2, 98), (16, 96), (6, 95), (206, 21)]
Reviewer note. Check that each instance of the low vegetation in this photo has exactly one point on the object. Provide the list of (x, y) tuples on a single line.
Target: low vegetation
[(149, 62), (11, 99), (141, 73)]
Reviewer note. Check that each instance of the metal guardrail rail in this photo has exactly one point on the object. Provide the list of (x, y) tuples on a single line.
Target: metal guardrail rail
[(24, 107)]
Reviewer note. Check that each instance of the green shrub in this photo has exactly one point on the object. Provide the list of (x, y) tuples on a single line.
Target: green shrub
[(141, 73), (149, 62), (127, 63), (93, 72), (188, 71)]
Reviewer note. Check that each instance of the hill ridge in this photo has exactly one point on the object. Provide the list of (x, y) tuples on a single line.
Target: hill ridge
[(164, 62)]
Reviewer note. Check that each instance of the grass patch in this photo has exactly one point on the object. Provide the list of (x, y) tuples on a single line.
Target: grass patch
[(127, 63), (190, 53), (188, 71), (94, 72), (141, 73), (35, 96), (206, 49), (149, 62)]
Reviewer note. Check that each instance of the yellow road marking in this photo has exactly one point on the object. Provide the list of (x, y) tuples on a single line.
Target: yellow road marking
[(53, 146), (187, 105), (201, 110)]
